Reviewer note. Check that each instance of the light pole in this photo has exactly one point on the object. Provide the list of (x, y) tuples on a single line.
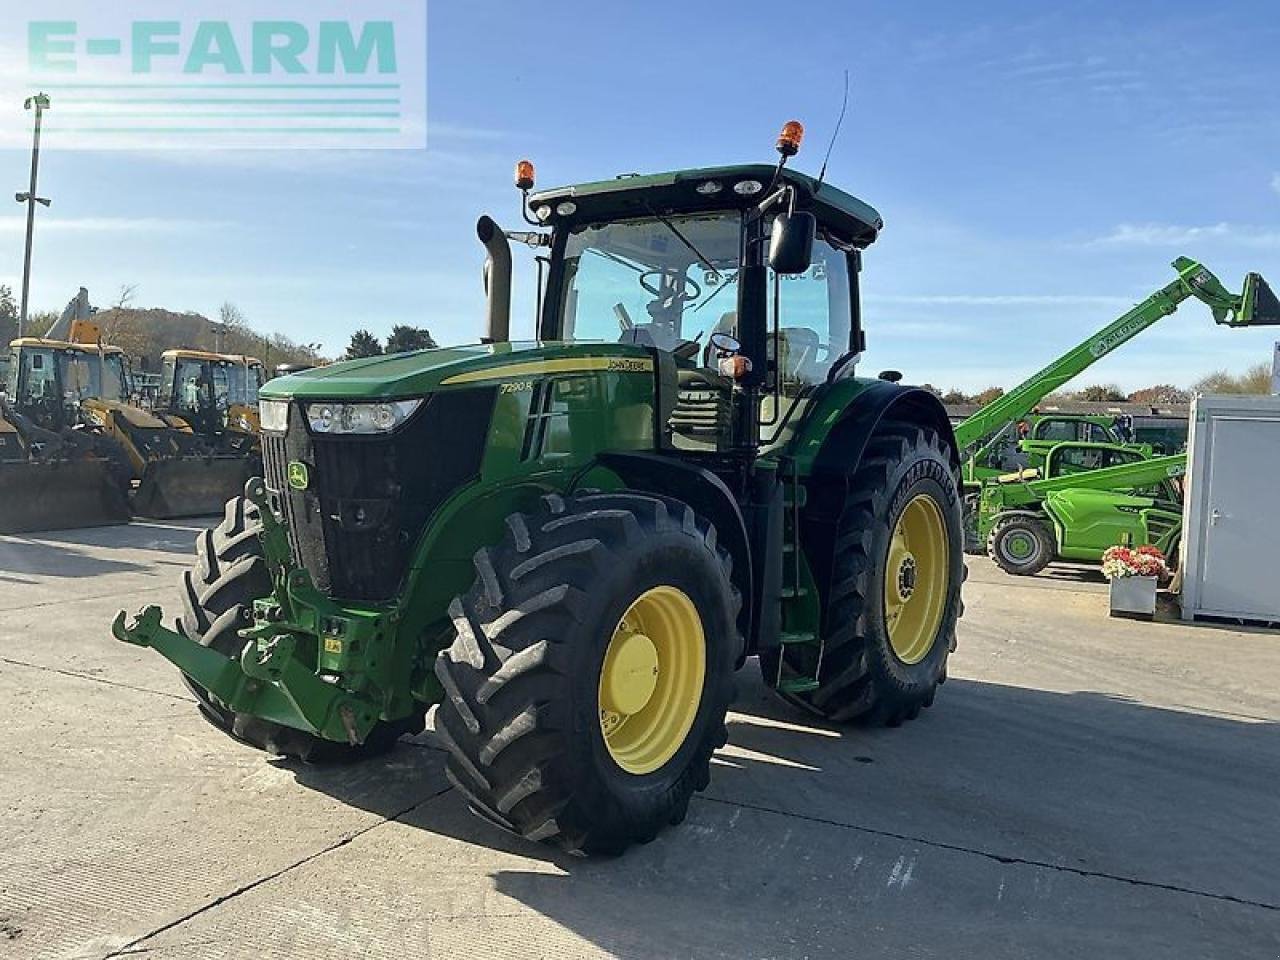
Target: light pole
[(40, 102)]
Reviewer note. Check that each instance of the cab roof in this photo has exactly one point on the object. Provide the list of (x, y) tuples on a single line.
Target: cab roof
[(183, 354), (62, 345), (848, 217)]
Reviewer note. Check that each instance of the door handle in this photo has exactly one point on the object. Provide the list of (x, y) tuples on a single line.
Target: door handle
[(1217, 515)]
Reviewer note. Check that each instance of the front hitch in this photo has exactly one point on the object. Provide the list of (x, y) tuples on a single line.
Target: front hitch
[(267, 681)]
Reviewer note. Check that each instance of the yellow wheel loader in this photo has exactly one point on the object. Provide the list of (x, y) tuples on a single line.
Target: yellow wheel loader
[(215, 395), (52, 480), (73, 386)]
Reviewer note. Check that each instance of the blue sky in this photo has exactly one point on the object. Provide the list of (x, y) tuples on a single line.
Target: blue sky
[(1037, 169)]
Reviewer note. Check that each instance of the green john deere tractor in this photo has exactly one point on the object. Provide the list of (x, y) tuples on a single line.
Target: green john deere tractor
[(569, 546)]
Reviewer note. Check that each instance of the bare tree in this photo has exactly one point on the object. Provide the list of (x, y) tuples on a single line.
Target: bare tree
[(231, 316), (118, 319)]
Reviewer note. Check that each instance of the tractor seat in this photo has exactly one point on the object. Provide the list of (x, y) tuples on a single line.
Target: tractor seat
[(1020, 476)]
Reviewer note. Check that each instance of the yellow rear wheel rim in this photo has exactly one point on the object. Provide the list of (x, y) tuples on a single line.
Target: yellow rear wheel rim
[(915, 582), (651, 680)]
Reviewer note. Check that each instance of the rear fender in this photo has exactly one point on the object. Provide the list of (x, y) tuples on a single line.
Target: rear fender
[(830, 446)]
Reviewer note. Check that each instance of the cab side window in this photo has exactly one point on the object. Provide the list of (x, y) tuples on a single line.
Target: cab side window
[(1058, 430), (813, 316), (38, 378)]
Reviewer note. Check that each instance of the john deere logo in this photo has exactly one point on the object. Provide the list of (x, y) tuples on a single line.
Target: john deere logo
[(299, 476)]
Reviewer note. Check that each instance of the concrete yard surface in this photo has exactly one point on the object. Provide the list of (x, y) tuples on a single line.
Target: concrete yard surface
[(1083, 786)]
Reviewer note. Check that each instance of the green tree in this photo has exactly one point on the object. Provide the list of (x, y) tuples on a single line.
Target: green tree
[(8, 317), (988, 395), (405, 338), (363, 344), (954, 397), (1102, 393)]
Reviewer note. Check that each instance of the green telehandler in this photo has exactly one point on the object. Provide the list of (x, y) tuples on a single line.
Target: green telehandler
[(567, 547), (983, 436), (1086, 498)]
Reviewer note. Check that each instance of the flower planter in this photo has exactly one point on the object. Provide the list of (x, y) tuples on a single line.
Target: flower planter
[(1133, 597)]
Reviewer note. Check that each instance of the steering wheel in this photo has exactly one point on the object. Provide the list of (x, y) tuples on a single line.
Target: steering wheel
[(691, 291)]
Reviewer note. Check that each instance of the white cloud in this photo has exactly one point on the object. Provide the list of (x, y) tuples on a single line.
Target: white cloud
[(1168, 235), (1275, 182)]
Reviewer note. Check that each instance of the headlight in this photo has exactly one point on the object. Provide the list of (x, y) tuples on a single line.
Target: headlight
[(274, 415), (359, 417)]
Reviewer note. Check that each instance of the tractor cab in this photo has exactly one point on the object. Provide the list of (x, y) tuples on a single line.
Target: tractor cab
[(215, 393), (1062, 428), (50, 380), (680, 264)]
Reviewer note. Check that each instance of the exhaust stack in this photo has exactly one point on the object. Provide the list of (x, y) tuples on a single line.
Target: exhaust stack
[(497, 280)]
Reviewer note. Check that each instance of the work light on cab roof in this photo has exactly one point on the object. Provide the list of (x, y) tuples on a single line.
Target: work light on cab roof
[(790, 138)]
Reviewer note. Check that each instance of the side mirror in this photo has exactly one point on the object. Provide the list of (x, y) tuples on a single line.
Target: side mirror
[(791, 244), (725, 344)]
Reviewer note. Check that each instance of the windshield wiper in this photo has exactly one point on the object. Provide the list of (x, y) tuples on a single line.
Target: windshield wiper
[(685, 240), (605, 254)]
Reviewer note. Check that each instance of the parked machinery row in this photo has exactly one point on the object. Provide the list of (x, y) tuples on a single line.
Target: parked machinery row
[(76, 449)]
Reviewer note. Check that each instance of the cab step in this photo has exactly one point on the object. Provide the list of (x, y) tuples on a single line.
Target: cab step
[(798, 685), (797, 638)]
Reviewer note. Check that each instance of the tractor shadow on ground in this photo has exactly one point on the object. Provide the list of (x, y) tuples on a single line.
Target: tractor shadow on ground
[(1084, 781), (69, 554), (22, 557)]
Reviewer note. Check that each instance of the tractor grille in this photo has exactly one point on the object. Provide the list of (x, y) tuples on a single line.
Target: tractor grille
[(369, 497)]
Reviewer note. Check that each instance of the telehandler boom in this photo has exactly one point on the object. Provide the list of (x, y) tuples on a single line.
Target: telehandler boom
[(1255, 306)]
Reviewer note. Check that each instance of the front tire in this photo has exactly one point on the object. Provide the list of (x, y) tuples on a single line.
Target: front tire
[(230, 572), (890, 617), (591, 671), (1021, 545)]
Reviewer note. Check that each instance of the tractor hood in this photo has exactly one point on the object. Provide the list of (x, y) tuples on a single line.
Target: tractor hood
[(404, 376)]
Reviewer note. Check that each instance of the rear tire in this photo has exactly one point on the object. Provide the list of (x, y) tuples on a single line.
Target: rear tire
[(862, 677), (1021, 546), (230, 572), (524, 716)]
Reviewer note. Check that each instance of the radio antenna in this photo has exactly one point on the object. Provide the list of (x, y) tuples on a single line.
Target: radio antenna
[(844, 105)]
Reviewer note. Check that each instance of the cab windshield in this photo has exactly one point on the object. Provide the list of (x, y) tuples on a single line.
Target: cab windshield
[(70, 376), (88, 375), (655, 282), (243, 381), (670, 281), (198, 386)]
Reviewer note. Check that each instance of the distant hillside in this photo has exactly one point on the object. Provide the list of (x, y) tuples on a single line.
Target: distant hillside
[(145, 333)]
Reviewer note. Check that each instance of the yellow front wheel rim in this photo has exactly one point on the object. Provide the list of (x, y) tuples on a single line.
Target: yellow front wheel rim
[(915, 582), (651, 680)]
